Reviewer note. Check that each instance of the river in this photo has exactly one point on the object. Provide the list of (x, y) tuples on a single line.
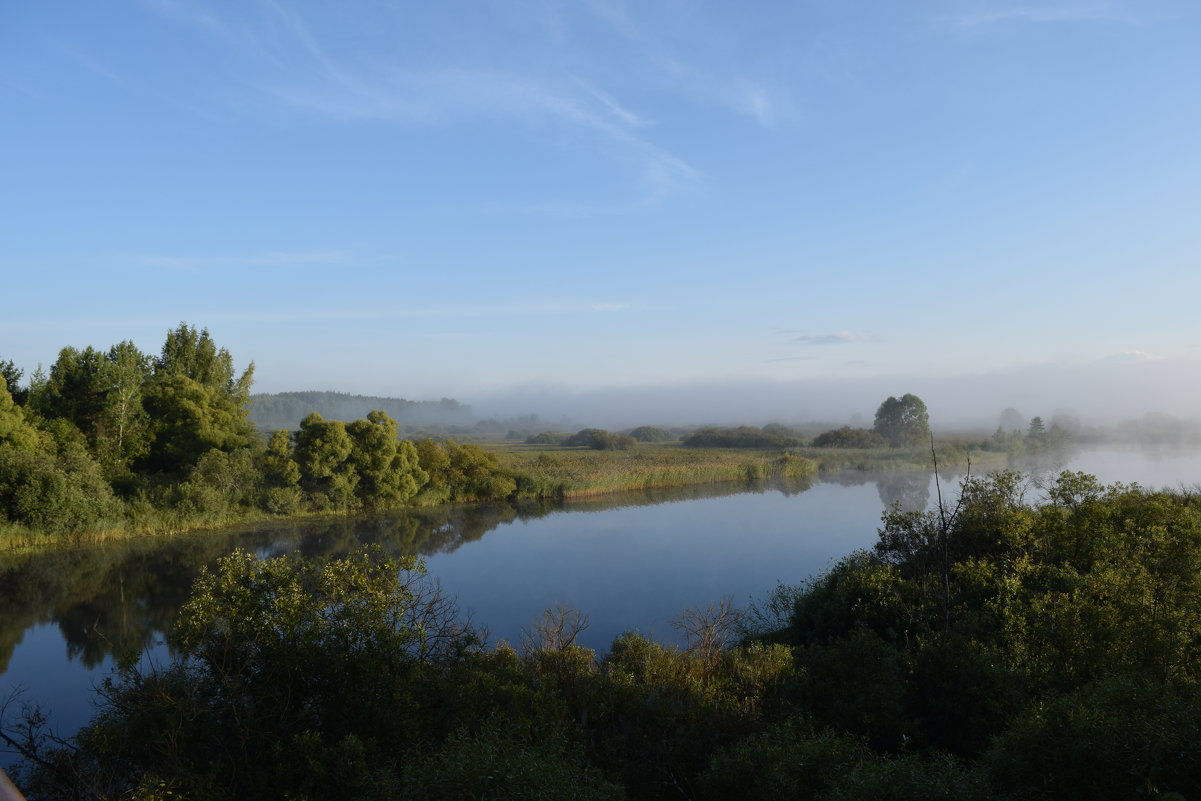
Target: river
[(627, 562)]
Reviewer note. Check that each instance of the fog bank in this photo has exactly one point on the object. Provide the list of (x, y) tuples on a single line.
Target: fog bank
[(1099, 394)]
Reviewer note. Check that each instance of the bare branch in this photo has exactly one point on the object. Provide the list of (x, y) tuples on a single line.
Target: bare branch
[(710, 630), (556, 630)]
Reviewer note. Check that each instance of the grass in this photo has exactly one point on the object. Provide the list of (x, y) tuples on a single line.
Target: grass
[(579, 472), (556, 471)]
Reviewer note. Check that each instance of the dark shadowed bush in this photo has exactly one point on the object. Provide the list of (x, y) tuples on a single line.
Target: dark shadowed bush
[(1121, 738), (501, 764)]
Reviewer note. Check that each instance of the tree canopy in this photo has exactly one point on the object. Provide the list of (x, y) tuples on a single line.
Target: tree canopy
[(903, 421)]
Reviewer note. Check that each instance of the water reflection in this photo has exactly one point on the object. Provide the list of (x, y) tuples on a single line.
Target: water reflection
[(116, 600)]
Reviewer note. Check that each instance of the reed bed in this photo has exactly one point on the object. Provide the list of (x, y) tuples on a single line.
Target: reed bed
[(577, 472)]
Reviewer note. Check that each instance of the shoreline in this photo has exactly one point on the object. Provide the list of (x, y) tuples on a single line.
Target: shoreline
[(548, 474)]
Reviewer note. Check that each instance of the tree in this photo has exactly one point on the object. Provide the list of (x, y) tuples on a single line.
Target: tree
[(280, 475), (11, 374), (15, 429), (1010, 420), (903, 421), (196, 401), (123, 433), (293, 678), (322, 450), (388, 474), (74, 390), (1037, 427)]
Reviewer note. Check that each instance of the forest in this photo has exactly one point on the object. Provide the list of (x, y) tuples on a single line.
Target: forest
[(996, 648)]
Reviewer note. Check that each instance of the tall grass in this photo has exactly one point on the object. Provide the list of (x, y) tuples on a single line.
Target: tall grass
[(575, 473)]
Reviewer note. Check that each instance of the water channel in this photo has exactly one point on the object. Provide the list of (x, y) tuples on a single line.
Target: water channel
[(628, 562)]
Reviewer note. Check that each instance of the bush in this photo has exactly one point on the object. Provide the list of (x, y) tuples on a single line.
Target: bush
[(59, 494), (294, 678), (741, 437), (600, 440), (547, 438), (650, 434), (500, 764), (847, 437), (1117, 739)]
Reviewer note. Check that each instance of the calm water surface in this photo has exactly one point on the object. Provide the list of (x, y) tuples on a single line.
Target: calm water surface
[(631, 562)]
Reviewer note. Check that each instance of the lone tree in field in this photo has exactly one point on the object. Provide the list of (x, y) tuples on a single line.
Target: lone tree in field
[(903, 421)]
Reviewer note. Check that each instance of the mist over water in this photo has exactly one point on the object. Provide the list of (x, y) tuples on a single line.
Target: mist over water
[(1099, 394)]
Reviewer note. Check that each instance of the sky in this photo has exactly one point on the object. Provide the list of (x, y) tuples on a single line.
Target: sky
[(781, 210)]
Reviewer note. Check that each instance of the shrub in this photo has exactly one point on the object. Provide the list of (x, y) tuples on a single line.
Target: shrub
[(497, 764), (600, 440), (547, 438), (650, 434), (847, 437)]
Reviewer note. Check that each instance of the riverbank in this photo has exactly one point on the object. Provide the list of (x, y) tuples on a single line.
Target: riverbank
[(540, 473)]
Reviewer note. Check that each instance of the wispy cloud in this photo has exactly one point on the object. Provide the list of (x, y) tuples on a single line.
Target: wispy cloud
[(622, 114), (732, 88), (840, 338), (301, 73)]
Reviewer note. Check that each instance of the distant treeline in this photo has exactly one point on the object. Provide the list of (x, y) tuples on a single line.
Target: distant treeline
[(273, 411), (900, 423)]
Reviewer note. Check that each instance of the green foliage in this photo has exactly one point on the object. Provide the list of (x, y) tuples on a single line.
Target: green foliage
[(1120, 738), (280, 475), (741, 437), (10, 378), (296, 678), (322, 451), (856, 684), (55, 493), (795, 761), (903, 421), (74, 389), (15, 429), (220, 485), (600, 440), (650, 434), (196, 401), (387, 469), (963, 617), (546, 438), (847, 437), (123, 429), (661, 713), (462, 472), (501, 764)]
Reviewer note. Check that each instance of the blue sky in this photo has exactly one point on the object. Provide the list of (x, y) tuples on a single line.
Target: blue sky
[(534, 198)]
